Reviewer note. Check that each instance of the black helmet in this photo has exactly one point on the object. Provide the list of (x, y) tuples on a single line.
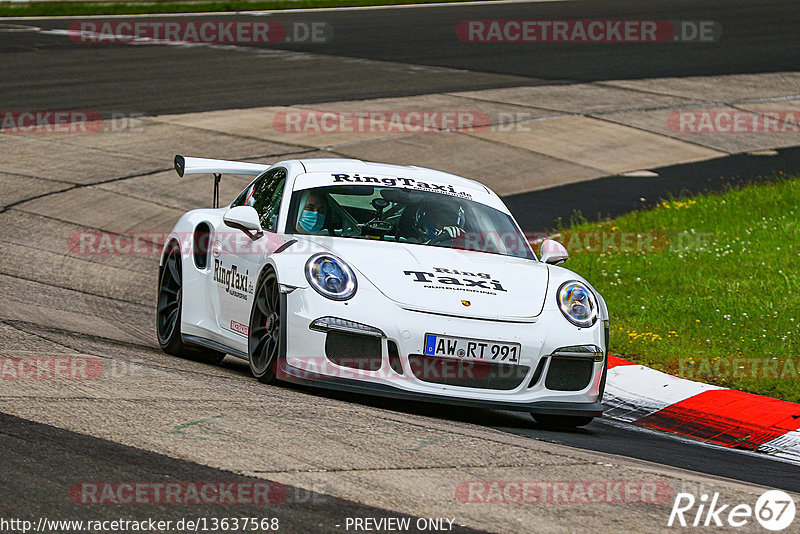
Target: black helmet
[(431, 217)]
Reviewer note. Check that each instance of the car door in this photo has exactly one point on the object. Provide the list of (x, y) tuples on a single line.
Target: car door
[(238, 256)]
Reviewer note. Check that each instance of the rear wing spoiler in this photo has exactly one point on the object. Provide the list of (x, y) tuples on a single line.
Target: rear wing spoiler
[(185, 165), (217, 167)]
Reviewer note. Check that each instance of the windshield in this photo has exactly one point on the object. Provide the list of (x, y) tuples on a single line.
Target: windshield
[(405, 216)]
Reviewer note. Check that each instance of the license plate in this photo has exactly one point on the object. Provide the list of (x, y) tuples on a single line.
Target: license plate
[(471, 349)]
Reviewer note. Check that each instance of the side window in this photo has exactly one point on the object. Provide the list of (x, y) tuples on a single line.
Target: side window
[(265, 196)]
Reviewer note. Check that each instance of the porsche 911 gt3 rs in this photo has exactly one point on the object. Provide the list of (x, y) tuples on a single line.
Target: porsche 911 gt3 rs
[(390, 280)]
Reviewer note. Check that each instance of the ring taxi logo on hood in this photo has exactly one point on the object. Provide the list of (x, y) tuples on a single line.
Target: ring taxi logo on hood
[(402, 182), (454, 279), (236, 284)]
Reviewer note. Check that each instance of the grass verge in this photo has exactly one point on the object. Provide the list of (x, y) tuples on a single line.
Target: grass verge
[(715, 296), (50, 9)]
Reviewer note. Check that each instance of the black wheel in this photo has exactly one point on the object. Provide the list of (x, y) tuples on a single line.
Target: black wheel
[(168, 311), (264, 332), (562, 421)]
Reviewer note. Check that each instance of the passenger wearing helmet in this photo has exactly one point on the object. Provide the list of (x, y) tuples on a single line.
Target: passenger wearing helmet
[(439, 220), (311, 215)]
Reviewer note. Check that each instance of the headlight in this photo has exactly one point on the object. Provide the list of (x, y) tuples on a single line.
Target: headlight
[(331, 277), (577, 303)]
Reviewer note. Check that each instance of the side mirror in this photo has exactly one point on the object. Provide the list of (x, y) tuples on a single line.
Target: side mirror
[(244, 218), (553, 252)]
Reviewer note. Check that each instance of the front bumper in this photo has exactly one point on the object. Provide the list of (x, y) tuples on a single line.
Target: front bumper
[(291, 374), (305, 359)]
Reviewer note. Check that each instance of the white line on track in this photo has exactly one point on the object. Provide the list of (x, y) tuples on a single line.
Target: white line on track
[(272, 53), (281, 11)]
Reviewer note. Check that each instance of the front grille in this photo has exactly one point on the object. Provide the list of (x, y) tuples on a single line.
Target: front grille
[(467, 373), (569, 374), (354, 351)]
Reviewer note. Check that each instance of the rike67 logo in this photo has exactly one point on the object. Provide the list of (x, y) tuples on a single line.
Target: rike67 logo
[(774, 510)]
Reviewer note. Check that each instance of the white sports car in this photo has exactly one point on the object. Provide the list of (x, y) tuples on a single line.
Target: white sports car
[(383, 279)]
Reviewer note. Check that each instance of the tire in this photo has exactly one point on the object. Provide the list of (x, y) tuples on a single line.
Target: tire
[(264, 343), (169, 309), (562, 421)]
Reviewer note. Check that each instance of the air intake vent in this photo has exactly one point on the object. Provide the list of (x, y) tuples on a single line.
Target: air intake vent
[(569, 374), (354, 351), (537, 374), (394, 358)]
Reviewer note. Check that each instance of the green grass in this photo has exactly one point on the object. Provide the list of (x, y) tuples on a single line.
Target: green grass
[(727, 286), (122, 8)]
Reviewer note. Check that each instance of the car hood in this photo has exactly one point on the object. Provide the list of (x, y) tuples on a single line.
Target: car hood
[(446, 281)]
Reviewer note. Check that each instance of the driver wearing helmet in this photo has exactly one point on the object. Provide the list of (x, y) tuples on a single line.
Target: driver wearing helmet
[(439, 220), (311, 216)]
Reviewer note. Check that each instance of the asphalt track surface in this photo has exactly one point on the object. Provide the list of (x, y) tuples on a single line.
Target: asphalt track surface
[(378, 54), (613, 196), (34, 453), (383, 53), (621, 439)]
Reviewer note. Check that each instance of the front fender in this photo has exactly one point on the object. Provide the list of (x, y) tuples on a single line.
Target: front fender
[(289, 266)]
